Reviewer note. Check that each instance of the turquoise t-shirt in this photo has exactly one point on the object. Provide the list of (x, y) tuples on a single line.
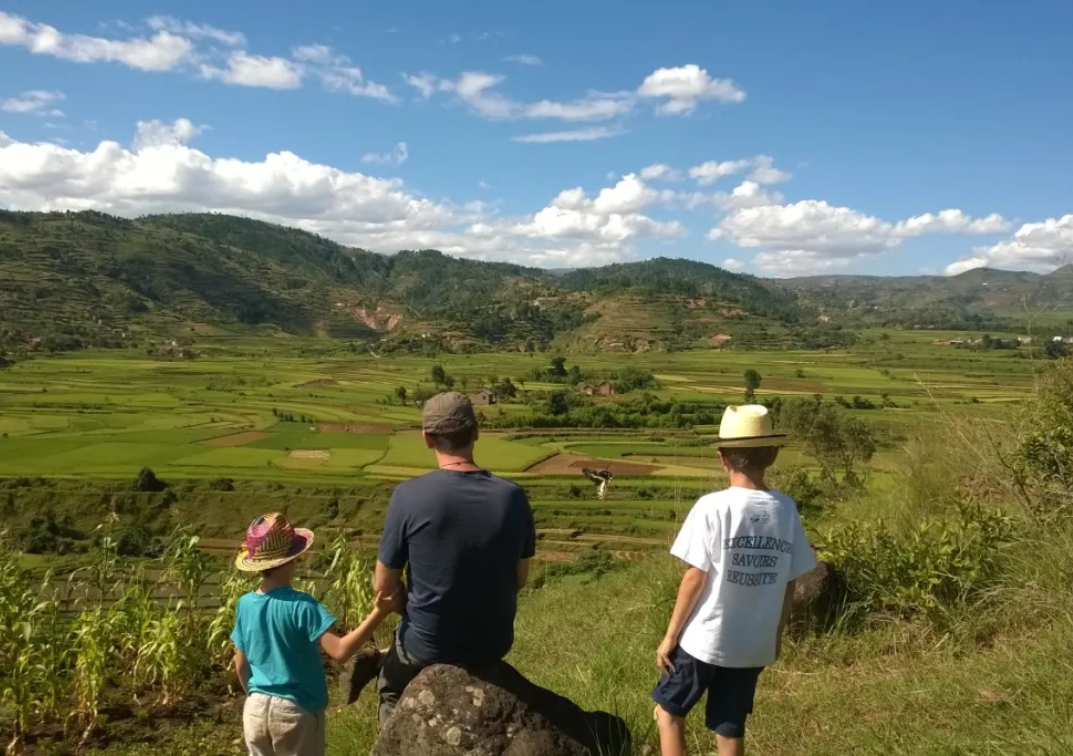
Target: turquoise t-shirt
[(280, 632)]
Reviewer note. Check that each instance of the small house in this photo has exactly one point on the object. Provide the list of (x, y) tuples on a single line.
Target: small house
[(588, 389), (484, 398), (604, 389)]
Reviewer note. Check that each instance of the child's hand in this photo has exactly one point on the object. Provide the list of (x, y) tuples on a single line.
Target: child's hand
[(665, 653), (388, 603)]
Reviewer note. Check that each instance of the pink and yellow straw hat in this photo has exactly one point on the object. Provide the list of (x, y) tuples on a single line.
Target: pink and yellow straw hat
[(272, 541)]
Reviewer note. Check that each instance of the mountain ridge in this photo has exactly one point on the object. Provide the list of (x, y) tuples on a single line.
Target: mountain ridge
[(97, 279)]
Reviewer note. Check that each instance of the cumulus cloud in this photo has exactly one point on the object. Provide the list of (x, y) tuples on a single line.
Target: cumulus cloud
[(398, 156), (248, 70), (575, 135), (524, 60), (731, 264), (765, 172), (164, 51), (1034, 246), (713, 170), (678, 89), (209, 52), (37, 101), (660, 172), (812, 236), (159, 134), (161, 172), (746, 194), (683, 87)]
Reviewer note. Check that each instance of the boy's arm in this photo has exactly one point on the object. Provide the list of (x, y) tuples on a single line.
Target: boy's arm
[(787, 604), (243, 671), (688, 593), (342, 648)]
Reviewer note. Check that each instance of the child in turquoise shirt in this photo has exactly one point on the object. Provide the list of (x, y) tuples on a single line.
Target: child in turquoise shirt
[(279, 633)]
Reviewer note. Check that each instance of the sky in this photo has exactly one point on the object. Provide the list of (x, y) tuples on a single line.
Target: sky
[(778, 138)]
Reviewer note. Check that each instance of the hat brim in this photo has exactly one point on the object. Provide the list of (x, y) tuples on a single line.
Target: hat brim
[(752, 442), (303, 540)]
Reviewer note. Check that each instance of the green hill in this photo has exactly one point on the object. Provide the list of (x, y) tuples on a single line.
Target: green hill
[(87, 279)]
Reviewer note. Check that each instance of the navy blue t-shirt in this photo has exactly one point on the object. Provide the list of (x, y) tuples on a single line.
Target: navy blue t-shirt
[(460, 535)]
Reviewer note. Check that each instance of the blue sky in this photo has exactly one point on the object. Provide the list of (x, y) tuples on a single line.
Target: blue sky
[(779, 138)]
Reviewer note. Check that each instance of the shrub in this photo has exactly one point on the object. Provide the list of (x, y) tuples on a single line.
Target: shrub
[(937, 566)]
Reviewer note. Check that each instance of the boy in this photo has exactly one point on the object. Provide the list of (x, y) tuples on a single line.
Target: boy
[(278, 635), (744, 548)]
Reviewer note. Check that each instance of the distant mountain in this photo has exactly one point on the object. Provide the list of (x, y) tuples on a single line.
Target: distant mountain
[(75, 279)]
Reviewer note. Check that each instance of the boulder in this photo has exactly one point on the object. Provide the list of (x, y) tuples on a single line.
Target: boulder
[(494, 711), (817, 597)]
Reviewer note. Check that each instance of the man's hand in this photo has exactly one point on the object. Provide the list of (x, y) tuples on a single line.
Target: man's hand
[(665, 654)]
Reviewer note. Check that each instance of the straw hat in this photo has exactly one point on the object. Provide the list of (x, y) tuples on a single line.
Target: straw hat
[(270, 542), (748, 426)]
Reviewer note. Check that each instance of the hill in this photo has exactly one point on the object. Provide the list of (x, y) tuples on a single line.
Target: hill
[(75, 279), (977, 299)]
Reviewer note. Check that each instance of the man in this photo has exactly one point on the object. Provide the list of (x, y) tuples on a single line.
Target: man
[(465, 538)]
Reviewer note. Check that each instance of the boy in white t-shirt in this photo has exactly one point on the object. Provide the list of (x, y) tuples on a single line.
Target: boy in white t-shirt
[(744, 548)]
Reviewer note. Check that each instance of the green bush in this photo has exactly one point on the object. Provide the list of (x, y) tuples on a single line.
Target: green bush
[(938, 566)]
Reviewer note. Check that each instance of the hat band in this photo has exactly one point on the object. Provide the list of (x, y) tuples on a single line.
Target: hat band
[(752, 438)]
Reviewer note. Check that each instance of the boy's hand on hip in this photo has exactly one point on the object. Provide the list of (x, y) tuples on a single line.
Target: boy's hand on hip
[(665, 654)]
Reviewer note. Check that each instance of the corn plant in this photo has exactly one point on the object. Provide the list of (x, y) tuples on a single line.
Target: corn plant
[(232, 587), (350, 590), (93, 651), (166, 659)]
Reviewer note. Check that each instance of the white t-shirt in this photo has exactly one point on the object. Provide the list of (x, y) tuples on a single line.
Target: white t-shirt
[(751, 544)]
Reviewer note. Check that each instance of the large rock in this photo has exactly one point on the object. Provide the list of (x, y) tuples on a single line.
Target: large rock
[(494, 711), (817, 598)]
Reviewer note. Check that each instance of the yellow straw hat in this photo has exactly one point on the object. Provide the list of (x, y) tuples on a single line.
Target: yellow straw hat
[(272, 541), (748, 427)]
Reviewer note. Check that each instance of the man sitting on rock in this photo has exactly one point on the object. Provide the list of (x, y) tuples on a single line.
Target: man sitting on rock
[(465, 538)]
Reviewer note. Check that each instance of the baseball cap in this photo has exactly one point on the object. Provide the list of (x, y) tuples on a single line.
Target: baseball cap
[(447, 413)]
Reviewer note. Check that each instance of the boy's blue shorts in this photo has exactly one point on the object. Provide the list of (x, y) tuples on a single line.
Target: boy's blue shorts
[(730, 693)]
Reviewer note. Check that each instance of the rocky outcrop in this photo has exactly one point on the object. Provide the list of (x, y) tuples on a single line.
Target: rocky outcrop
[(494, 711), (817, 597)]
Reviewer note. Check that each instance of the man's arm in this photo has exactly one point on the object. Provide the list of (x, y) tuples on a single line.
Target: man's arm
[(243, 671), (523, 573), (689, 591), (387, 582), (787, 604)]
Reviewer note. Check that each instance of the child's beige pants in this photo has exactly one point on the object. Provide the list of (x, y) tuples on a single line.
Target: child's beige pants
[(278, 727)]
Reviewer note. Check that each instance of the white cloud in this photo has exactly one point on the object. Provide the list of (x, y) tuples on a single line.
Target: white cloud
[(813, 236), (731, 264), (525, 60), (765, 172), (713, 170), (162, 173), (398, 156), (1039, 246), (952, 221), (212, 53), (746, 194), (159, 134), (164, 51), (196, 31), (37, 101), (248, 70), (683, 87), (660, 172), (576, 135)]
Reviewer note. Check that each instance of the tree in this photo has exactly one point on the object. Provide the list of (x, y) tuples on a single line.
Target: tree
[(147, 481), (557, 403), (438, 375), (401, 392), (558, 367), (575, 375), (837, 440), (752, 383)]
